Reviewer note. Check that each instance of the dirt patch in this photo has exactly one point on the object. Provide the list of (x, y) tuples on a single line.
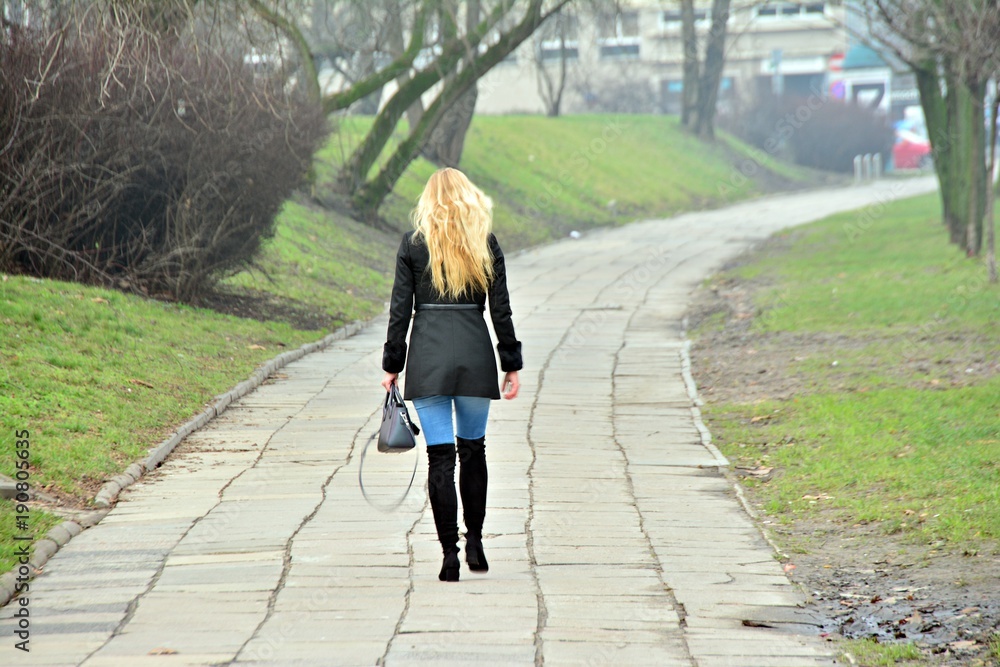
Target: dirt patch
[(866, 584), (265, 307)]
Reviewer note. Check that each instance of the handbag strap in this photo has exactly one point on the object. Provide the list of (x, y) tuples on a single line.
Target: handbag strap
[(361, 482)]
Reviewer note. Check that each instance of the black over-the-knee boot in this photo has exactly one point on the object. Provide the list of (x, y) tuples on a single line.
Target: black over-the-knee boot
[(472, 481), (444, 505)]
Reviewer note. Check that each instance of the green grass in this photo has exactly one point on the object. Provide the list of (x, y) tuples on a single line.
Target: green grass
[(98, 377), (861, 275), (869, 653), (916, 461), (889, 427), (755, 158)]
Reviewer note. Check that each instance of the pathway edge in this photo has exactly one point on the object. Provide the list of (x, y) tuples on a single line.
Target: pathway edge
[(15, 582)]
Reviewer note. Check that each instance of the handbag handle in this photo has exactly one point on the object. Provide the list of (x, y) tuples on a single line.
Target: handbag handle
[(393, 399)]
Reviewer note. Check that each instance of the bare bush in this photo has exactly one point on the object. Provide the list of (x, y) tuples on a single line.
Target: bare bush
[(814, 132), (625, 94), (142, 158)]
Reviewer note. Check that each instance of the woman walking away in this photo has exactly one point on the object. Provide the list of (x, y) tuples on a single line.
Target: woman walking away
[(445, 270)]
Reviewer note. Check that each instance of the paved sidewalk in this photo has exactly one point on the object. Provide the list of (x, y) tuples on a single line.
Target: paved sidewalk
[(612, 536)]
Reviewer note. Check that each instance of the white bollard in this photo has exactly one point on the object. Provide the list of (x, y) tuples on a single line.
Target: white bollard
[(857, 169), (877, 166)]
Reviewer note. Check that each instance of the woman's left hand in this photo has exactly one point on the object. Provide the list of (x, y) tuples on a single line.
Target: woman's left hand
[(511, 385), (389, 379)]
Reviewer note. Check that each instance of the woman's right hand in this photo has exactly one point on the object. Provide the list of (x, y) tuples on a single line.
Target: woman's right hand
[(388, 380)]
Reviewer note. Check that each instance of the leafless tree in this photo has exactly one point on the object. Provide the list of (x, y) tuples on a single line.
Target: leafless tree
[(953, 49), (561, 28), (447, 140), (702, 78), (452, 62)]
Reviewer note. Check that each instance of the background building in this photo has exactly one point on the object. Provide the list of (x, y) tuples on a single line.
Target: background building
[(633, 61)]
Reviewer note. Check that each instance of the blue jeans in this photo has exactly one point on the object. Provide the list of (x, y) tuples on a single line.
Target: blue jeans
[(434, 413)]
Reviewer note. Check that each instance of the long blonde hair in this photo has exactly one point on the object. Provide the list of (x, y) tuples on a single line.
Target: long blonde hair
[(454, 218)]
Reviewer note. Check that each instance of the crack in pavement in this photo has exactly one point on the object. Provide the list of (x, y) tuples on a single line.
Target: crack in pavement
[(666, 588), (134, 604)]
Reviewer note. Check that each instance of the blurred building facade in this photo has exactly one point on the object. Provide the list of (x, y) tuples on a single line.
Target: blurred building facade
[(632, 61)]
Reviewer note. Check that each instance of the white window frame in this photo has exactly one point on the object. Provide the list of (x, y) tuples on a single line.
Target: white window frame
[(556, 44), (620, 39), (703, 21), (779, 15)]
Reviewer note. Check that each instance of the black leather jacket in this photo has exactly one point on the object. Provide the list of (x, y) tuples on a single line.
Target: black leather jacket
[(450, 351)]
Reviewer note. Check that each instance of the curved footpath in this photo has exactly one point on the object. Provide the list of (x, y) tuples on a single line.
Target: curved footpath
[(612, 534)]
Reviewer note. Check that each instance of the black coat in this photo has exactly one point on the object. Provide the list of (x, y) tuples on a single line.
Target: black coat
[(450, 352)]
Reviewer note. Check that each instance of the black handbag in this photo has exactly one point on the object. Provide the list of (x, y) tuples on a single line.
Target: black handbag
[(397, 433)]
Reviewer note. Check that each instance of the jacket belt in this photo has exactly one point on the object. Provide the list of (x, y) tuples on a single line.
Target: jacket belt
[(450, 306)]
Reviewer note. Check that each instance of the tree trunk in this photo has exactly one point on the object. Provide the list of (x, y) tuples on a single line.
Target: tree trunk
[(989, 221), (551, 91), (715, 59), (973, 215), (396, 43), (689, 39), (447, 141), (953, 120), (370, 196)]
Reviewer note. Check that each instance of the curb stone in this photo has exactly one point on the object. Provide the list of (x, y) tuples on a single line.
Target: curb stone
[(706, 439), (692, 389), (13, 581)]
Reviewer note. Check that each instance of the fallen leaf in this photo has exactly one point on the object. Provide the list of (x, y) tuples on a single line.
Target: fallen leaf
[(965, 645), (759, 418), (162, 651), (98, 299), (256, 347), (142, 383), (821, 496), (788, 567)]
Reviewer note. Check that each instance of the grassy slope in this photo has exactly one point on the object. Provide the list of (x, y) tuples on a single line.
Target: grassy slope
[(883, 435), (550, 175), (77, 360)]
